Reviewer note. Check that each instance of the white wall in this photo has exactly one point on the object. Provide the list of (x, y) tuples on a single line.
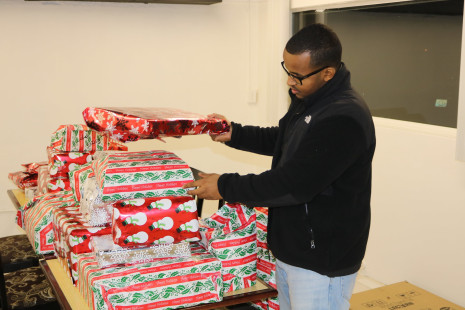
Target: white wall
[(56, 58), (418, 209)]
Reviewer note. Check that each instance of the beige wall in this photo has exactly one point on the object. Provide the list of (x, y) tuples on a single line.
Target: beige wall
[(58, 58)]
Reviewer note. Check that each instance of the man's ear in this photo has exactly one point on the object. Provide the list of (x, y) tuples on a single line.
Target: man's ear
[(329, 73)]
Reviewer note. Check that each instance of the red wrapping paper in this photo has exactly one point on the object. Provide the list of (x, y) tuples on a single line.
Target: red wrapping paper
[(58, 184), (72, 235), (23, 179), (61, 163), (80, 138), (131, 124), (161, 220), (34, 167)]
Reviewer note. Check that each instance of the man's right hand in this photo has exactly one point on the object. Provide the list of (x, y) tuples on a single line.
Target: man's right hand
[(222, 137)]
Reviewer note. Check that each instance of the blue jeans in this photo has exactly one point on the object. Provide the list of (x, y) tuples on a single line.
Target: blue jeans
[(302, 289)]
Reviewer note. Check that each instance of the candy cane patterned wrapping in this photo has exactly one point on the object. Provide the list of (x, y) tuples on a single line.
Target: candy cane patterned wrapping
[(159, 220), (141, 174), (131, 124), (73, 235), (42, 178), (38, 220), (80, 138), (230, 235), (164, 284)]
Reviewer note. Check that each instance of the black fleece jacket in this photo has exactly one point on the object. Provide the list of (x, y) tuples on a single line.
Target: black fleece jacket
[(319, 186)]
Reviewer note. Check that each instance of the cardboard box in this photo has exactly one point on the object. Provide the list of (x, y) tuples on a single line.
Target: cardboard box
[(402, 295)]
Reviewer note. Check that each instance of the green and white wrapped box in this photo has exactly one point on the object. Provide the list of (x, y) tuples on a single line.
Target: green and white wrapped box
[(131, 175), (164, 284), (230, 235)]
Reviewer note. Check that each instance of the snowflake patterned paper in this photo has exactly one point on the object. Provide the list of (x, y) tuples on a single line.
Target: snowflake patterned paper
[(162, 220), (132, 124)]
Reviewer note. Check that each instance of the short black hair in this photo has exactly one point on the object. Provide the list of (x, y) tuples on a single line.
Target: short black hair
[(320, 41)]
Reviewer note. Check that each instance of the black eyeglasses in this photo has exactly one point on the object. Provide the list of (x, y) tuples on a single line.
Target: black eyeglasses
[(299, 79)]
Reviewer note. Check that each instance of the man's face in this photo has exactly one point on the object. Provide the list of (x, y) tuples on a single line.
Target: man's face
[(299, 66)]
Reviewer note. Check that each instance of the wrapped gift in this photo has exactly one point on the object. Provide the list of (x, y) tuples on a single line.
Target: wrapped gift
[(266, 262), (230, 235), (80, 138), (38, 219), (30, 192), (73, 235), (23, 179), (33, 168), (262, 222), (109, 254), (266, 267), (61, 163), (164, 284), (131, 124), (77, 177), (141, 174), (158, 220), (42, 177), (94, 210), (58, 184)]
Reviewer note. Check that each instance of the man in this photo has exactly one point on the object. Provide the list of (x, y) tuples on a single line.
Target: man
[(319, 186)]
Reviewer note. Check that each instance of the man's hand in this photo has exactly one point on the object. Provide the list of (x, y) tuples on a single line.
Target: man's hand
[(207, 186), (223, 137)]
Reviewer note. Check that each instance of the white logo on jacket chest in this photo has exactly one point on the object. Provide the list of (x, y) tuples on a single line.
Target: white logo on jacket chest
[(308, 118)]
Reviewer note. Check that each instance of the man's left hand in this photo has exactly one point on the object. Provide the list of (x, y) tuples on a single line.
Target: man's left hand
[(207, 186)]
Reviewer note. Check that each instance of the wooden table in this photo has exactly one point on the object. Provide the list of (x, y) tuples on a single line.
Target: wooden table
[(17, 197), (70, 298)]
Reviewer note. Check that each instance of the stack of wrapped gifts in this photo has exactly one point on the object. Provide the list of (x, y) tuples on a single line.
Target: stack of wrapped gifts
[(123, 227)]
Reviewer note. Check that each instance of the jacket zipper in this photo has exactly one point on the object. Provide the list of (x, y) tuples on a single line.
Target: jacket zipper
[(312, 236)]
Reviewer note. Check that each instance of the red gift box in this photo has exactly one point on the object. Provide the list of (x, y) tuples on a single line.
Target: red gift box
[(161, 220), (23, 179)]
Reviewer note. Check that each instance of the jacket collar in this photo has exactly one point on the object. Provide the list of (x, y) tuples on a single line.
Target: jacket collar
[(340, 82)]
